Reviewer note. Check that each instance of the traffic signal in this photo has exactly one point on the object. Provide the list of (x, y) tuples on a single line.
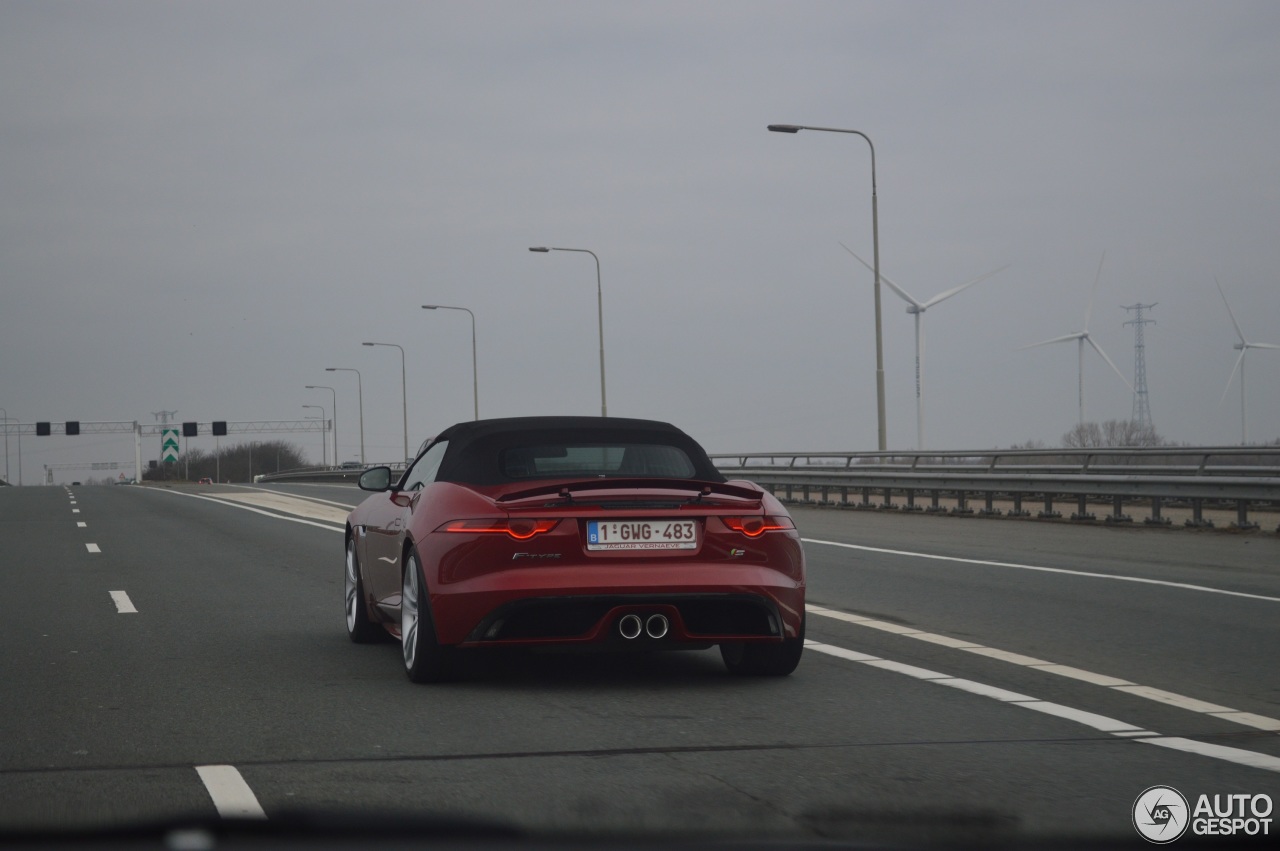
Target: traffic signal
[(42, 429), (189, 430), (72, 427), (219, 428)]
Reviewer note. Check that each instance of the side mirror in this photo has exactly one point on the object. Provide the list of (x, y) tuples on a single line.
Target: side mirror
[(375, 479)]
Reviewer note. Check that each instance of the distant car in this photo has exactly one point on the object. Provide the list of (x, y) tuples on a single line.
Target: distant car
[(351, 465), (206, 481), (605, 532), (75, 484)]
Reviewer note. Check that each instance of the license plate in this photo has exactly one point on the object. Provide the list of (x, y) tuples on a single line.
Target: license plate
[(642, 535)]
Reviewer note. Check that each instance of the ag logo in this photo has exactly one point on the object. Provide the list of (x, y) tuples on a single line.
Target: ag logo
[(1161, 814)]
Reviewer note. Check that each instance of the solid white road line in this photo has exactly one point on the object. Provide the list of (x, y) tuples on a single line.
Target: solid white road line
[(348, 506), (291, 505), (124, 605), (1087, 574), (315, 485), (93, 548), (1101, 723), (1191, 704), (1089, 719), (329, 526), (230, 794), (1236, 755), (1167, 697)]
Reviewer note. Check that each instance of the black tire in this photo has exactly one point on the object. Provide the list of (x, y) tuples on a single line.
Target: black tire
[(425, 659), (764, 660), (360, 628)]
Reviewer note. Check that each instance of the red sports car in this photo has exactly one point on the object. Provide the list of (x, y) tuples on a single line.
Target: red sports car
[(572, 531)]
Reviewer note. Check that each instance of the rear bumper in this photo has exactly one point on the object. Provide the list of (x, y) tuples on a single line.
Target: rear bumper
[(661, 620), (701, 604)]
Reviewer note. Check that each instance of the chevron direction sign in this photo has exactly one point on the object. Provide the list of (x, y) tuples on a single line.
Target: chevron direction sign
[(169, 444)]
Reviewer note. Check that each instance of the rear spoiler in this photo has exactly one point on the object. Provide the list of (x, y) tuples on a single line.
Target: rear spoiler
[(568, 489)]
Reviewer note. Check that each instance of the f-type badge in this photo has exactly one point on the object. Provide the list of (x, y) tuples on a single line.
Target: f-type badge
[(535, 555)]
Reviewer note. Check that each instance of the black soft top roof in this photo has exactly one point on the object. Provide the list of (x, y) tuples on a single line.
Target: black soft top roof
[(474, 447)]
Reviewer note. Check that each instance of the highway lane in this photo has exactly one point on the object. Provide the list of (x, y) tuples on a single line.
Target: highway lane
[(1216, 647), (237, 656), (1175, 639)]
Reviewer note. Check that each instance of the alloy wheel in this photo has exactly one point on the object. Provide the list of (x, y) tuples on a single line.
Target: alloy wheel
[(409, 611)]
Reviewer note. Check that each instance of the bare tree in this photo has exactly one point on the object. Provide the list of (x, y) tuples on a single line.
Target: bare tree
[(239, 463), (1083, 436), (1130, 433), (1111, 433)]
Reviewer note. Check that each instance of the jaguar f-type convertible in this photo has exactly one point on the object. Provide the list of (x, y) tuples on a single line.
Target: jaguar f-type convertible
[(614, 533)]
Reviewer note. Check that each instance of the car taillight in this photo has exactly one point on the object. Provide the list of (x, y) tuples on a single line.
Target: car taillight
[(755, 526), (519, 528)]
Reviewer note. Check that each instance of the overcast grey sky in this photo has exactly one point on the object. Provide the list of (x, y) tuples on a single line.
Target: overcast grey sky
[(203, 205)]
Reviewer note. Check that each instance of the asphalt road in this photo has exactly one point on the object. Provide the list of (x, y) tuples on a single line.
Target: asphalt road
[(968, 680)]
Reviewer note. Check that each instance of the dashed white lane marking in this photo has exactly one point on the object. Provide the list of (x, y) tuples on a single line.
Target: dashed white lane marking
[(93, 548), (1191, 704), (81, 524), (1101, 723), (124, 605), (328, 526), (75, 511), (231, 795), (1116, 577)]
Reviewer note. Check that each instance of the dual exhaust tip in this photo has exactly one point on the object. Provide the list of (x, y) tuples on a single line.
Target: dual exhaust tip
[(630, 626)]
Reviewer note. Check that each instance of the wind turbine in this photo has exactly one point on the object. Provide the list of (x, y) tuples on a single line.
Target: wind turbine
[(917, 308), (1244, 346), (1082, 337)]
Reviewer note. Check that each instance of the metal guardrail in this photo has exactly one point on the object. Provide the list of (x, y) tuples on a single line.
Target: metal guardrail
[(1127, 476), (1198, 460), (1238, 477), (324, 474)]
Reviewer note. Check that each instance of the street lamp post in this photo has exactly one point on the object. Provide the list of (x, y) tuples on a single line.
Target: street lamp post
[(9, 419), (404, 394), (541, 249), (875, 243), (335, 417), (359, 397), (4, 418), (324, 452), (475, 374)]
